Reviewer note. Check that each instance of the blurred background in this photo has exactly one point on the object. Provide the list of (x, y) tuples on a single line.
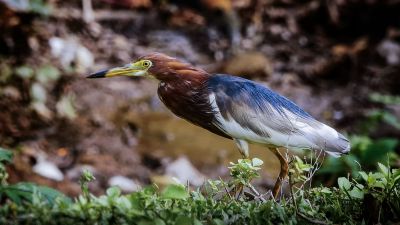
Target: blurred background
[(337, 59)]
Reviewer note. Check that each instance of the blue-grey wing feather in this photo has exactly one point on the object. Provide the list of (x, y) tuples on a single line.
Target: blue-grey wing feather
[(256, 107)]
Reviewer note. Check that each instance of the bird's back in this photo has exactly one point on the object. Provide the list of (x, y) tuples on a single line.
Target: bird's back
[(246, 110)]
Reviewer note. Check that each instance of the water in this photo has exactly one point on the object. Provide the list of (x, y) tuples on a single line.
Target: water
[(168, 136)]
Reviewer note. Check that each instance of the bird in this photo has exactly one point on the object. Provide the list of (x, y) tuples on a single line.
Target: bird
[(235, 108)]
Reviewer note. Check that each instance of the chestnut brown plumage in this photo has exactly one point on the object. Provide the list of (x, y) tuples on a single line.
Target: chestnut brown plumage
[(183, 89), (234, 108)]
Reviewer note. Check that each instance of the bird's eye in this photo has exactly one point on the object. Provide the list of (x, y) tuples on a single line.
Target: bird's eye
[(146, 63)]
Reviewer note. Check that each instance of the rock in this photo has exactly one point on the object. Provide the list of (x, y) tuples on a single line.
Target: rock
[(11, 92), (174, 43), (70, 52), (126, 184), (84, 59), (184, 171), (249, 64), (65, 107), (390, 50), (47, 169)]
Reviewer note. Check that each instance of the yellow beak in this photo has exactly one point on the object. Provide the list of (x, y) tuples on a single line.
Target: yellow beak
[(127, 70)]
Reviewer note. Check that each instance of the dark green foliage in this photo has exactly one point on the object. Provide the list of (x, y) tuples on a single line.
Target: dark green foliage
[(5, 155), (365, 154), (352, 203), (35, 6), (147, 207), (24, 192), (385, 99), (28, 191)]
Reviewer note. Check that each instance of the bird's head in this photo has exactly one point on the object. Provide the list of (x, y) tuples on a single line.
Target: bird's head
[(138, 68), (158, 65)]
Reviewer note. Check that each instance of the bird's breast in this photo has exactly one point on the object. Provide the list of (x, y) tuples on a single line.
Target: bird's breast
[(190, 101)]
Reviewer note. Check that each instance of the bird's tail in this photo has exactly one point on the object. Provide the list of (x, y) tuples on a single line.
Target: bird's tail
[(336, 146), (328, 139)]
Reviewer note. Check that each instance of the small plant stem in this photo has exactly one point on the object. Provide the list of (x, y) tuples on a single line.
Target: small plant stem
[(291, 191), (256, 193), (226, 188), (314, 221), (239, 192), (227, 191)]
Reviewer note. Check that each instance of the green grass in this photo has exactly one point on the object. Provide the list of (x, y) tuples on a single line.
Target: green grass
[(373, 197)]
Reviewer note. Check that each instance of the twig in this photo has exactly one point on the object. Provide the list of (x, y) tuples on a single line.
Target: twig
[(310, 219), (256, 193), (296, 208), (239, 193), (316, 167), (226, 189), (87, 11), (291, 191), (99, 15)]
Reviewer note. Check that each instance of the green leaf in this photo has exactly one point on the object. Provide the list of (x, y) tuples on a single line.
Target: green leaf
[(257, 162), (40, 7), (13, 196), (325, 190), (123, 203), (113, 191), (159, 221), (27, 191), (218, 222), (360, 142), (5, 72), (356, 193), (5, 155), (351, 162), (364, 175), (38, 93), (51, 194), (47, 73), (383, 169), (183, 220), (391, 119), (378, 150), (156, 221), (396, 174), (24, 72), (344, 183), (197, 222), (23, 189), (331, 166), (378, 184), (385, 99), (65, 107), (175, 191)]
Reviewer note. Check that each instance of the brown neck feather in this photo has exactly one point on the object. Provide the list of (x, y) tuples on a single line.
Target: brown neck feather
[(166, 68), (183, 89)]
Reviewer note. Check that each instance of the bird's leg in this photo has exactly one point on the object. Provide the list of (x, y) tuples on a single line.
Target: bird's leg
[(283, 173), (243, 147)]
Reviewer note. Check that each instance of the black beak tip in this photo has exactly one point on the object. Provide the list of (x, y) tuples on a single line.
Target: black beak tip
[(100, 74)]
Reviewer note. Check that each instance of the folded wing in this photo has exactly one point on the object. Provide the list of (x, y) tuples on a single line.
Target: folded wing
[(252, 112)]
